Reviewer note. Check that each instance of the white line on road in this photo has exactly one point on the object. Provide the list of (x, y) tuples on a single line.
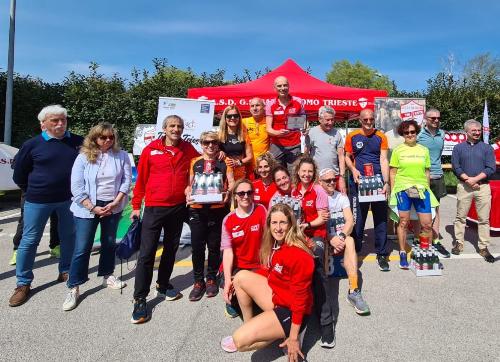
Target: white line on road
[(9, 216)]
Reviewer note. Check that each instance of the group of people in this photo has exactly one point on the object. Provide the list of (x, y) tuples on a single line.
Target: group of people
[(281, 215)]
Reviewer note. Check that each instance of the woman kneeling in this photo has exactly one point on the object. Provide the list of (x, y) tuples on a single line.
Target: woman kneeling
[(282, 290)]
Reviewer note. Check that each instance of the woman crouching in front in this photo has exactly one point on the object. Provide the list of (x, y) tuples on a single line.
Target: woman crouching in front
[(282, 290)]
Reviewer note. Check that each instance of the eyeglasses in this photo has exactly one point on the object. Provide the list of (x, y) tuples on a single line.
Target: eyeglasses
[(406, 133), (104, 138), (208, 143), (368, 119), (232, 116), (434, 118), (245, 193), (329, 180)]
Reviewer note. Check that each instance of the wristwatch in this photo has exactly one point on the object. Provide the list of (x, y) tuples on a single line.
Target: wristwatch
[(342, 236)]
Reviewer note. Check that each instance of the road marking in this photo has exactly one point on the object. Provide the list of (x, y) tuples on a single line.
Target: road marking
[(366, 258), (11, 215)]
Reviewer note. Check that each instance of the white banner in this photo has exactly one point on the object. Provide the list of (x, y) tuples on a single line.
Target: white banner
[(144, 134), (198, 116), (390, 112), (7, 154), (452, 138)]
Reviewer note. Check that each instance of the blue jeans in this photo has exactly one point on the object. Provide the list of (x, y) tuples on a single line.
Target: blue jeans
[(85, 233), (35, 218)]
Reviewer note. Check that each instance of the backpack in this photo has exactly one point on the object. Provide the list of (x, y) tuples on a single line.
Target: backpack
[(131, 242)]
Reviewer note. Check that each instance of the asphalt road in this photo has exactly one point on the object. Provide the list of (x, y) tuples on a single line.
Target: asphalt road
[(452, 317)]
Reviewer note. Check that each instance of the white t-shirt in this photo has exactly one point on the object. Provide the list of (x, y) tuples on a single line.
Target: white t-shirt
[(105, 178)]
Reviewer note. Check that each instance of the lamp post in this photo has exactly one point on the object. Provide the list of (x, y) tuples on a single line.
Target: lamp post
[(7, 135)]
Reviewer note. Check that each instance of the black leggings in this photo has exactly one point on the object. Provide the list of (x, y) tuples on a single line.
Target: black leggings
[(206, 225)]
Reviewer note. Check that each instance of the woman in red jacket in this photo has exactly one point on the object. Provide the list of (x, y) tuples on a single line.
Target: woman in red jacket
[(285, 296)]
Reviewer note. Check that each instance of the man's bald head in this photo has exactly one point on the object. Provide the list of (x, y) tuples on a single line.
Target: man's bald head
[(281, 86)]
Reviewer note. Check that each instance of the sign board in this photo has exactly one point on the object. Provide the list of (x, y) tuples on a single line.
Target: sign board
[(452, 138), (390, 112), (7, 154), (144, 134), (198, 116)]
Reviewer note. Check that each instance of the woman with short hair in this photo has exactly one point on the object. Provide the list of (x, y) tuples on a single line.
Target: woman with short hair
[(410, 184), (100, 183)]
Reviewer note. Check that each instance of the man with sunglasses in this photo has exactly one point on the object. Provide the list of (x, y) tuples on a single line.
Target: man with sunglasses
[(432, 137), (162, 180), (43, 171), (367, 146), (285, 143), (473, 163)]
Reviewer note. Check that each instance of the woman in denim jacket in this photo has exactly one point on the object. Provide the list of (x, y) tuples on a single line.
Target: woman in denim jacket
[(100, 183)]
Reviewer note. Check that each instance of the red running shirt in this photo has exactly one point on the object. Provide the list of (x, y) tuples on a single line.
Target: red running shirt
[(263, 193), (280, 118)]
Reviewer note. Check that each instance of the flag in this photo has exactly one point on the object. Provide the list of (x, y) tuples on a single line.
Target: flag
[(486, 124)]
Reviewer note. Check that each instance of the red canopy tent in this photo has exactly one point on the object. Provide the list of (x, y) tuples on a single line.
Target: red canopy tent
[(315, 93)]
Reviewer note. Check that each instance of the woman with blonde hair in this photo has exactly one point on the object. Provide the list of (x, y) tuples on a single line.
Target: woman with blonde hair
[(100, 183), (235, 143), (282, 290)]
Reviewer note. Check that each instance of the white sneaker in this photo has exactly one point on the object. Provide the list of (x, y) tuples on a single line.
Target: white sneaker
[(113, 282), (71, 299)]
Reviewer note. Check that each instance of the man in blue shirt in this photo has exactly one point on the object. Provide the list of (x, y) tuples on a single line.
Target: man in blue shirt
[(473, 163), (432, 137), (43, 171)]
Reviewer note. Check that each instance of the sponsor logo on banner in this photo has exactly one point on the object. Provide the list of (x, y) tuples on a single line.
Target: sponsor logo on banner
[(205, 108), (451, 139), (363, 102), (412, 110)]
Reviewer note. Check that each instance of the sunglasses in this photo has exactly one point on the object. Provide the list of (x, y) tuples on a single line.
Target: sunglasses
[(329, 180), (232, 116), (434, 118), (406, 133), (104, 138), (208, 143), (244, 193), (368, 119)]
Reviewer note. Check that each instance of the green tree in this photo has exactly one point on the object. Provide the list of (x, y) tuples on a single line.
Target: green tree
[(358, 75)]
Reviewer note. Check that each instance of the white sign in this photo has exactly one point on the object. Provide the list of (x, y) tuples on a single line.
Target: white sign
[(7, 154), (452, 138), (198, 116), (144, 134), (412, 110)]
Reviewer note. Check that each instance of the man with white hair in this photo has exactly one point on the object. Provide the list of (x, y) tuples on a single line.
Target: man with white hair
[(325, 144), (285, 143), (473, 163), (43, 170)]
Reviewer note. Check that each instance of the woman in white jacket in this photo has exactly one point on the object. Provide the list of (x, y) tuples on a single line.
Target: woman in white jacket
[(100, 183)]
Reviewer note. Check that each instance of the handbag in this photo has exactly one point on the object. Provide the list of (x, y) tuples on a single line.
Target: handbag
[(131, 242), (413, 193)]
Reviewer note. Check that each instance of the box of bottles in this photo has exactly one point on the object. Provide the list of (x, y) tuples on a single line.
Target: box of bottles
[(207, 188), (370, 188), (295, 205), (425, 262)]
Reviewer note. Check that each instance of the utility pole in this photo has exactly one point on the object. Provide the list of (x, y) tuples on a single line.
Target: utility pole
[(7, 133)]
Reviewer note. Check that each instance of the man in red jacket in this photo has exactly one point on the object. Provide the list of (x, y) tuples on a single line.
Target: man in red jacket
[(163, 175)]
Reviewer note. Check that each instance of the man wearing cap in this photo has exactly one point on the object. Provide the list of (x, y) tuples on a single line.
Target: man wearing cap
[(284, 143), (368, 146), (325, 144)]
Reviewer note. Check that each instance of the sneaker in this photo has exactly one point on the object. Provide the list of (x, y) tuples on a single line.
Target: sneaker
[(63, 277), (197, 291), (168, 293), (328, 336), (55, 252), (20, 295), (140, 313), (230, 312), (113, 282), (212, 288), (12, 260), (403, 260), (485, 253), (227, 344), (457, 249), (71, 299), (441, 250), (356, 300), (383, 263)]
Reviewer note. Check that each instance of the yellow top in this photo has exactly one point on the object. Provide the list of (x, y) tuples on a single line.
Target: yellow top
[(258, 135)]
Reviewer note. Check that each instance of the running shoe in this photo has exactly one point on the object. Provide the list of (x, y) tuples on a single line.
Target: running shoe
[(441, 250), (113, 282), (71, 300), (356, 300), (55, 252), (227, 344), (230, 311), (197, 291), (212, 288), (12, 260), (383, 263), (403, 261), (328, 336), (140, 313)]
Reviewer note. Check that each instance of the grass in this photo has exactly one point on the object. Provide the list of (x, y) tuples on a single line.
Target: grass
[(450, 179)]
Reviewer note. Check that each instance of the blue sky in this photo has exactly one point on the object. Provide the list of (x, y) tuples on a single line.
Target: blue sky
[(408, 41)]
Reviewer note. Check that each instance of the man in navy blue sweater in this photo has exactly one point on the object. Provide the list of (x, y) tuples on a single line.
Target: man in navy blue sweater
[(43, 171)]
